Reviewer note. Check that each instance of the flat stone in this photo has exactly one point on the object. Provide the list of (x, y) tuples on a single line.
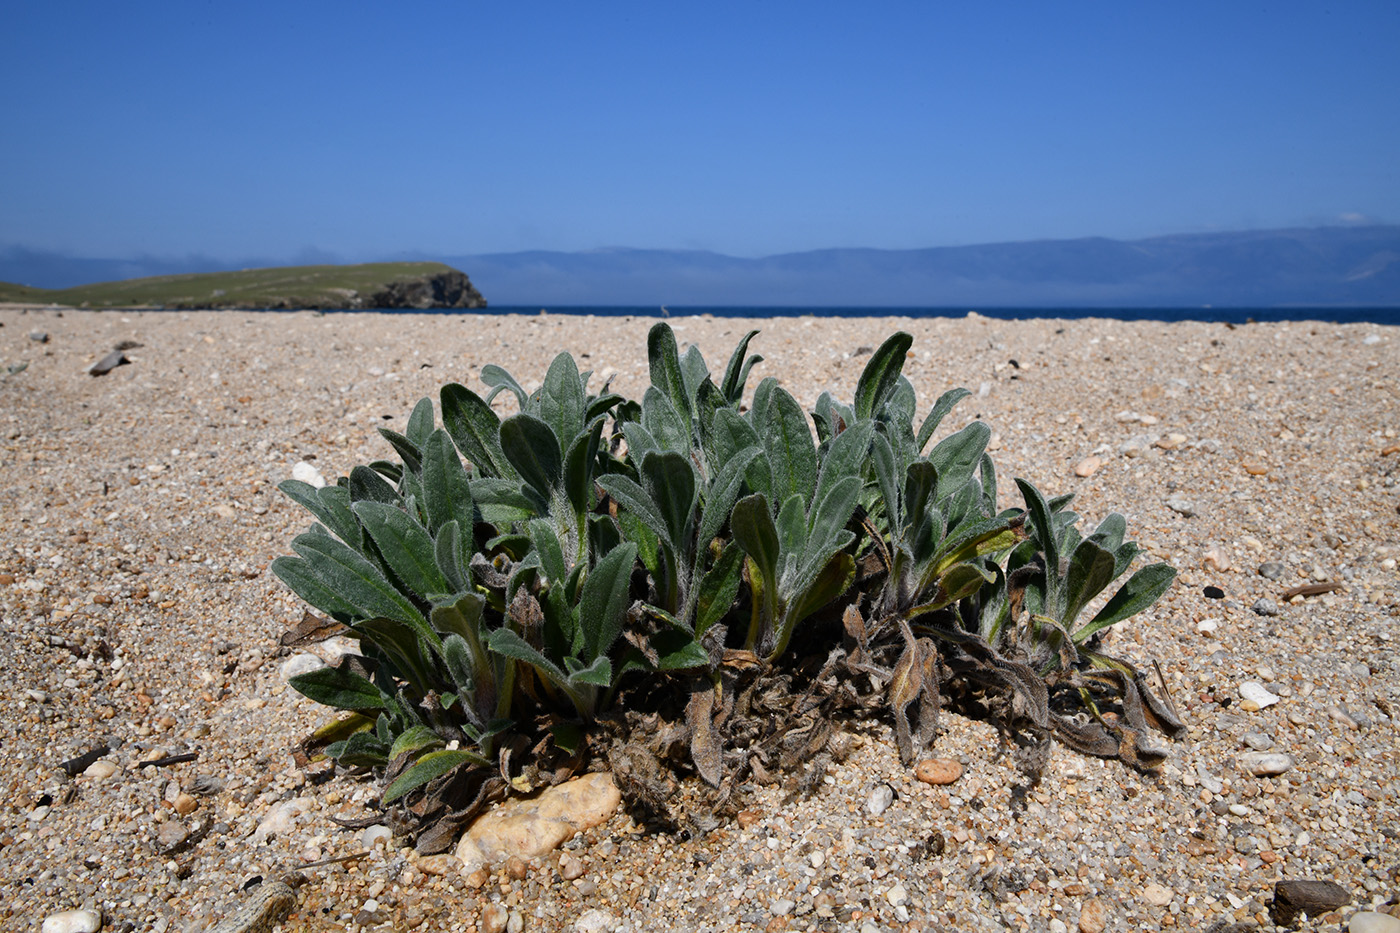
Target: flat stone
[(307, 473), (171, 834), (101, 770), (594, 920), (299, 664), (938, 770), (1264, 607), (73, 921), (1157, 895), (1257, 693), (1368, 921), (1087, 467), (1093, 916), (1266, 764), (1300, 895), (1182, 506), (1257, 741), (1271, 570), (530, 827)]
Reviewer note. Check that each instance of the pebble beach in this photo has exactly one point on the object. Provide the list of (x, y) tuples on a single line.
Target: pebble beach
[(139, 621)]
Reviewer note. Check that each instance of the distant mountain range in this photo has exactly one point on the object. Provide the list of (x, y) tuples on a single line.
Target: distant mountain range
[(1324, 266)]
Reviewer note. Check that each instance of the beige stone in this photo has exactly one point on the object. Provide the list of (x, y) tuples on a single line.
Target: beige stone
[(530, 827), (938, 770)]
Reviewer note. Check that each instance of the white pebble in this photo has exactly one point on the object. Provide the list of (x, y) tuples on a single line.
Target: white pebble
[(300, 664), (374, 835), (879, 800), (73, 921), (308, 474), (1257, 693), (1370, 922), (595, 921), (1267, 764)]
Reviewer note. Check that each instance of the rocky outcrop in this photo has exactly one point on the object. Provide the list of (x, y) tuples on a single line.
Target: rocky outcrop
[(451, 289)]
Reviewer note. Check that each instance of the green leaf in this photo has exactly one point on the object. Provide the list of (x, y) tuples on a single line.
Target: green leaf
[(545, 542), (420, 422), (304, 581), (730, 434), (792, 455), (579, 463), (751, 523), (428, 768), (605, 599), (634, 499), (693, 372), (887, 476), (665, 365), (331, 686), (355, 579), (507, 643), (1091, 569), (958, 582), (718, 588), (533, 449), (723, 492), (832, 513), (406, 546), (460, 616), (475, 430), (733, 385), (414, 739), (499, 380), (562, 403), (665, 421), (501, 502), (408, 451), (937, 413), (368, 486), (834, 579), (957, 457), (330, 505), (669, 481), (677, 651), (1142, 590), (881, 375), (1042, 527), (446, 484), (848, 453)]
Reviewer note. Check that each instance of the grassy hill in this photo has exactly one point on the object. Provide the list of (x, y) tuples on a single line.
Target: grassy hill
[(282, 287)]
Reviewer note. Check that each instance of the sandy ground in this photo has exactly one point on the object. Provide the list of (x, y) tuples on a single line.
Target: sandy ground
[(138, 516)]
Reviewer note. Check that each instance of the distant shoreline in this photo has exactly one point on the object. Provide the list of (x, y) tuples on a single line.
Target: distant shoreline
[(1384, 315)]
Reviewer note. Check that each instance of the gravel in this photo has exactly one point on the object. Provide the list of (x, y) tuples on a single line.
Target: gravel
[(138, 516)]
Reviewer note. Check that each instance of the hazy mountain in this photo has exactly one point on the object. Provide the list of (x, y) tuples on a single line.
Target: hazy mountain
[(1265, 268)]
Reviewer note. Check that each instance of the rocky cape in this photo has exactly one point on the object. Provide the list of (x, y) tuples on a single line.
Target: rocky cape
[(451, 289)]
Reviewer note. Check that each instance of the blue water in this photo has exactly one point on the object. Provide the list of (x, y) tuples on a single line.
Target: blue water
[(1169, 315)]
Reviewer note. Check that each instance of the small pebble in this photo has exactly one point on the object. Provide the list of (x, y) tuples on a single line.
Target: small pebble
[(1271, 570), (494, 918), (781, 907), (1087, 467), (1257, 741), (594, 920), (1266, 764), (73, 921), (1264, 607), (1367, 921), (1182, 506), (375, 835), (879, 799), (938, 770), (1257, 693), (1157, 895)]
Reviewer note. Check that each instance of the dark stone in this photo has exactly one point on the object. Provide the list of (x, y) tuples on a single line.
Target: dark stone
[(108, 363), (1313, 898), (1271, 570), (1214, 592)]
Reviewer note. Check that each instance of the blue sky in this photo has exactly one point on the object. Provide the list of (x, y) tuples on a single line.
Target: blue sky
[(370, 129)]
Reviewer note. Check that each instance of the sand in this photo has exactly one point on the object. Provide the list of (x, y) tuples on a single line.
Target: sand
[(138, 517)]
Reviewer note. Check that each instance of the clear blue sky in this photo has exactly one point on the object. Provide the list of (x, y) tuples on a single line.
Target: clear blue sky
[(366, 129)]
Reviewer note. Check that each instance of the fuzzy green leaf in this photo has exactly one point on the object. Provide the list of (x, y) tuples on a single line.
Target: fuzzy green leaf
[(718, 588), (881, 375), (475, 429), (603, 604), (792, 455), (446, 484), (340, 689), (669, 481), (428, 768), (355, 579), (937, 413), (420, 422), (330, 505), (368, 486), (408, 451), (533, 449), (304, 581), (500, 380), (957, 456), (665, 365), (406, 546), (562, 403), (414, 739), (1141, 591), (733, 385)]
